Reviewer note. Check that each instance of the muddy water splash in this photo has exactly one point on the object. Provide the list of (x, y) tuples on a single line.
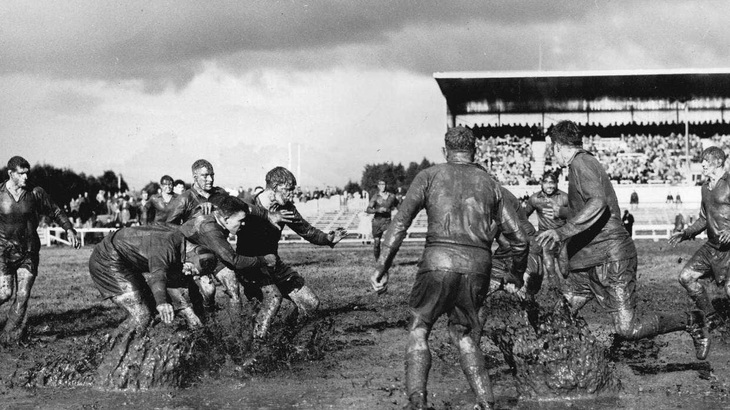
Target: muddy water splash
[(156, 357), (558, 359)]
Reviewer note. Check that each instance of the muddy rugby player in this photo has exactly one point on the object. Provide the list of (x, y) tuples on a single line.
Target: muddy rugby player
[(551, 205), (381, 205), (132, 262), (159, 204), (20, 209), (261, 237), (601, 253), (713, 258), (461, 200)]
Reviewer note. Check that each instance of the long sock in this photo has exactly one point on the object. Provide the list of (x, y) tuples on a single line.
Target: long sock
[(418, 364), (698, 294), (654, 324)]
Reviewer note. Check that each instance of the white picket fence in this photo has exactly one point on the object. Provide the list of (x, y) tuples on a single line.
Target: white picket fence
[(55, 235)]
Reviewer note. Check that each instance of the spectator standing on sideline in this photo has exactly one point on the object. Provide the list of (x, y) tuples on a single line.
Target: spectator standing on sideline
[(634, 200), (20, 209)]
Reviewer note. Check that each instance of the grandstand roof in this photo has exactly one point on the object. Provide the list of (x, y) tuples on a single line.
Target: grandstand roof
[(580, 91)]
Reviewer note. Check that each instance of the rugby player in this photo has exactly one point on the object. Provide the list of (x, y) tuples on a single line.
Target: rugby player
[(601, 253), (20, 209), (129, 263), (713, 258), (159, 204), (260, 237), (462, 201), (381, 205), (183, 206), (551, 205)]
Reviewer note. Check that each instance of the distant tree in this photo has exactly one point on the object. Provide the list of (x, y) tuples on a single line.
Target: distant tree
[(152, 188), (395, 176), (352, 187)]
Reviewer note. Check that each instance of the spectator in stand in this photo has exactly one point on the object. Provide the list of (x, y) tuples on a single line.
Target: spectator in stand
[(634, 201), (628, 221), (178, 187)]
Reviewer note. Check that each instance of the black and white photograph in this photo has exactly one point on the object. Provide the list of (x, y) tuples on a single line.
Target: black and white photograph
[(364, 204)]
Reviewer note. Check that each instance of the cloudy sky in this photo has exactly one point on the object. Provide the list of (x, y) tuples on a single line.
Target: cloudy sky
[(146, 87)]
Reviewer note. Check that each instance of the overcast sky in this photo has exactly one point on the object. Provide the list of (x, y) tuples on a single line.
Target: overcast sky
[(146, 87)]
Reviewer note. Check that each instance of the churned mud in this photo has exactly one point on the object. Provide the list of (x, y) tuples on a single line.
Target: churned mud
[(350, 354)]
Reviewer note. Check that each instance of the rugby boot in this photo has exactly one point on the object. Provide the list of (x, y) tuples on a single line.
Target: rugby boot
[(417, 401), (699, 330)]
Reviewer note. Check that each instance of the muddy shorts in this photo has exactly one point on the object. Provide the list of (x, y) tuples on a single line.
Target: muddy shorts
[(380, 225), (711, 261), (456, 294), (9, 264), (112, 277), (283, 276), (613, 284)]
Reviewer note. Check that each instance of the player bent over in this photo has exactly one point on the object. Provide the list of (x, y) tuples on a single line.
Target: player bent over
[(133, 260), (212, 231), (602, 255), (462, 201), (261, 237), (20, 209), (713, 258)]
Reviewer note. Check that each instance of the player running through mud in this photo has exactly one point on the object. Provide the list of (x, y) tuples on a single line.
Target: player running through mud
[(260, 237), (713, 258), (20, 209), (551, 205), (601, 253), (129, 264), (461, 200), (381, 205)]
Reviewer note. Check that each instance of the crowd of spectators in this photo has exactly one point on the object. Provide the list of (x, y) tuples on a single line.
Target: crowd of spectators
[(531, 132), (508, 158)]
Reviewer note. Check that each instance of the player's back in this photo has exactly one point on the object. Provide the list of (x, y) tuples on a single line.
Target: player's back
[(460, 200)]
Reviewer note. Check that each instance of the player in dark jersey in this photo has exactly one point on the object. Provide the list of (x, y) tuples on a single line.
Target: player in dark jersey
[(158, 206), (551, 205), (601, 253), (182, 208), (20, 209), (713, 258), (129, 264), (260, 237), (381, 206), (462, 201)]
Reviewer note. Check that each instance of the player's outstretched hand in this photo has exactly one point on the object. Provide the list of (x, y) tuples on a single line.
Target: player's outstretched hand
[(379, 281), (547, 238), (166, 312), (337, 235), (73, 238), (677, 237), (281, 216)]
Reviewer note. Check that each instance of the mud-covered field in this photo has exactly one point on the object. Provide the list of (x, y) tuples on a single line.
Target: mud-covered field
[(350, 356)]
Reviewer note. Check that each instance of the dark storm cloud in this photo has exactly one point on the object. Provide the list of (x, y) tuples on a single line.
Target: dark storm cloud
[(168, 42)]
